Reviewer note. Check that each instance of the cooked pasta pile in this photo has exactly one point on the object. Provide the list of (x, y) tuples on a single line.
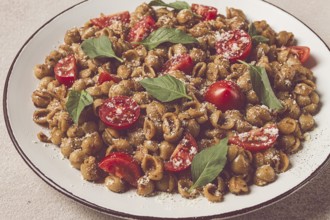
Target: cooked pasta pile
[(142, 99)]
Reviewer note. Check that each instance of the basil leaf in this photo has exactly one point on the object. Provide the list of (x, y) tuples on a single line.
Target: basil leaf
[(157, 3), (164, 34), (254, 35), (262, 87), (252, 30), (165, 88), (208, 163), (177, 5), (99, 47), (76, 103), (260, 39)]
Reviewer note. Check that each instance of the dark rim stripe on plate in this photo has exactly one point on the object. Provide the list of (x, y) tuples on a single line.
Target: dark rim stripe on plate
[(121, 214)]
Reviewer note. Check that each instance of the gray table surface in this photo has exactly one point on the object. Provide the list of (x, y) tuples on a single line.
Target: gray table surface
[(23, 195)]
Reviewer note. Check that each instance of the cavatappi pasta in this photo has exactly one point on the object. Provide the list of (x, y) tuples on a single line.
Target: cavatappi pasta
[(149, 142)]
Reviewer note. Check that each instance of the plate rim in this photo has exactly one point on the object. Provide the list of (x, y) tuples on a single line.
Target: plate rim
[(124, 215)]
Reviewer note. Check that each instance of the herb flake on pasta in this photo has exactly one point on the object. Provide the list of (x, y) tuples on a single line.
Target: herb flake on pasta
[(165, 88), (208, 163), (164, 34), (177, 5), (76, 103), (262, 87), (98, 48), (254, 35)]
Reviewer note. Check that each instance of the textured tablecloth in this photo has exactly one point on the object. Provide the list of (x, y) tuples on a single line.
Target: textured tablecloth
[(23, 195)]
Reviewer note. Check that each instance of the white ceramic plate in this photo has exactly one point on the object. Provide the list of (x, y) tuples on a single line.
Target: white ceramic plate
[(48, 163)]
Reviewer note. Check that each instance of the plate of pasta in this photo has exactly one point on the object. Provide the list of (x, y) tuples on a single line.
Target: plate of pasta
[(171, 109)]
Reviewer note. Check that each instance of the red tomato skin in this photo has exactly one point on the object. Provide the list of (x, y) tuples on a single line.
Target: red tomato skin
[(123, 166), (182, 62), (105, 21), (105, 77), (141, 29), (119, 102), (225, 95), (234, 45), (207, 12), (302, 52), (184, 152), (66, 70), (257, 139)]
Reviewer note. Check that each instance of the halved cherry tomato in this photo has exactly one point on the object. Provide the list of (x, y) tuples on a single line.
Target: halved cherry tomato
[(119, 112), (256, 139), (207, 12), (105, 77), (122, 165), (182, 62), (183, 154), (66, 70), (141, 29), (234, 45), (302, 52), (225, 95), (105, 21)]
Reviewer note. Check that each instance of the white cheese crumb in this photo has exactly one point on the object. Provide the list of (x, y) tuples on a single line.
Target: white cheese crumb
[(143, 180), (271, 131)]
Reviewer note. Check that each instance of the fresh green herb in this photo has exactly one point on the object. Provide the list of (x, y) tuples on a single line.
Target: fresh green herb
[(252, 30), (76, 103), (208, 163), (260, 39), (262, 87), (163, 35), (177, 5), (254, 35), (165, 88), (99, 47)]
